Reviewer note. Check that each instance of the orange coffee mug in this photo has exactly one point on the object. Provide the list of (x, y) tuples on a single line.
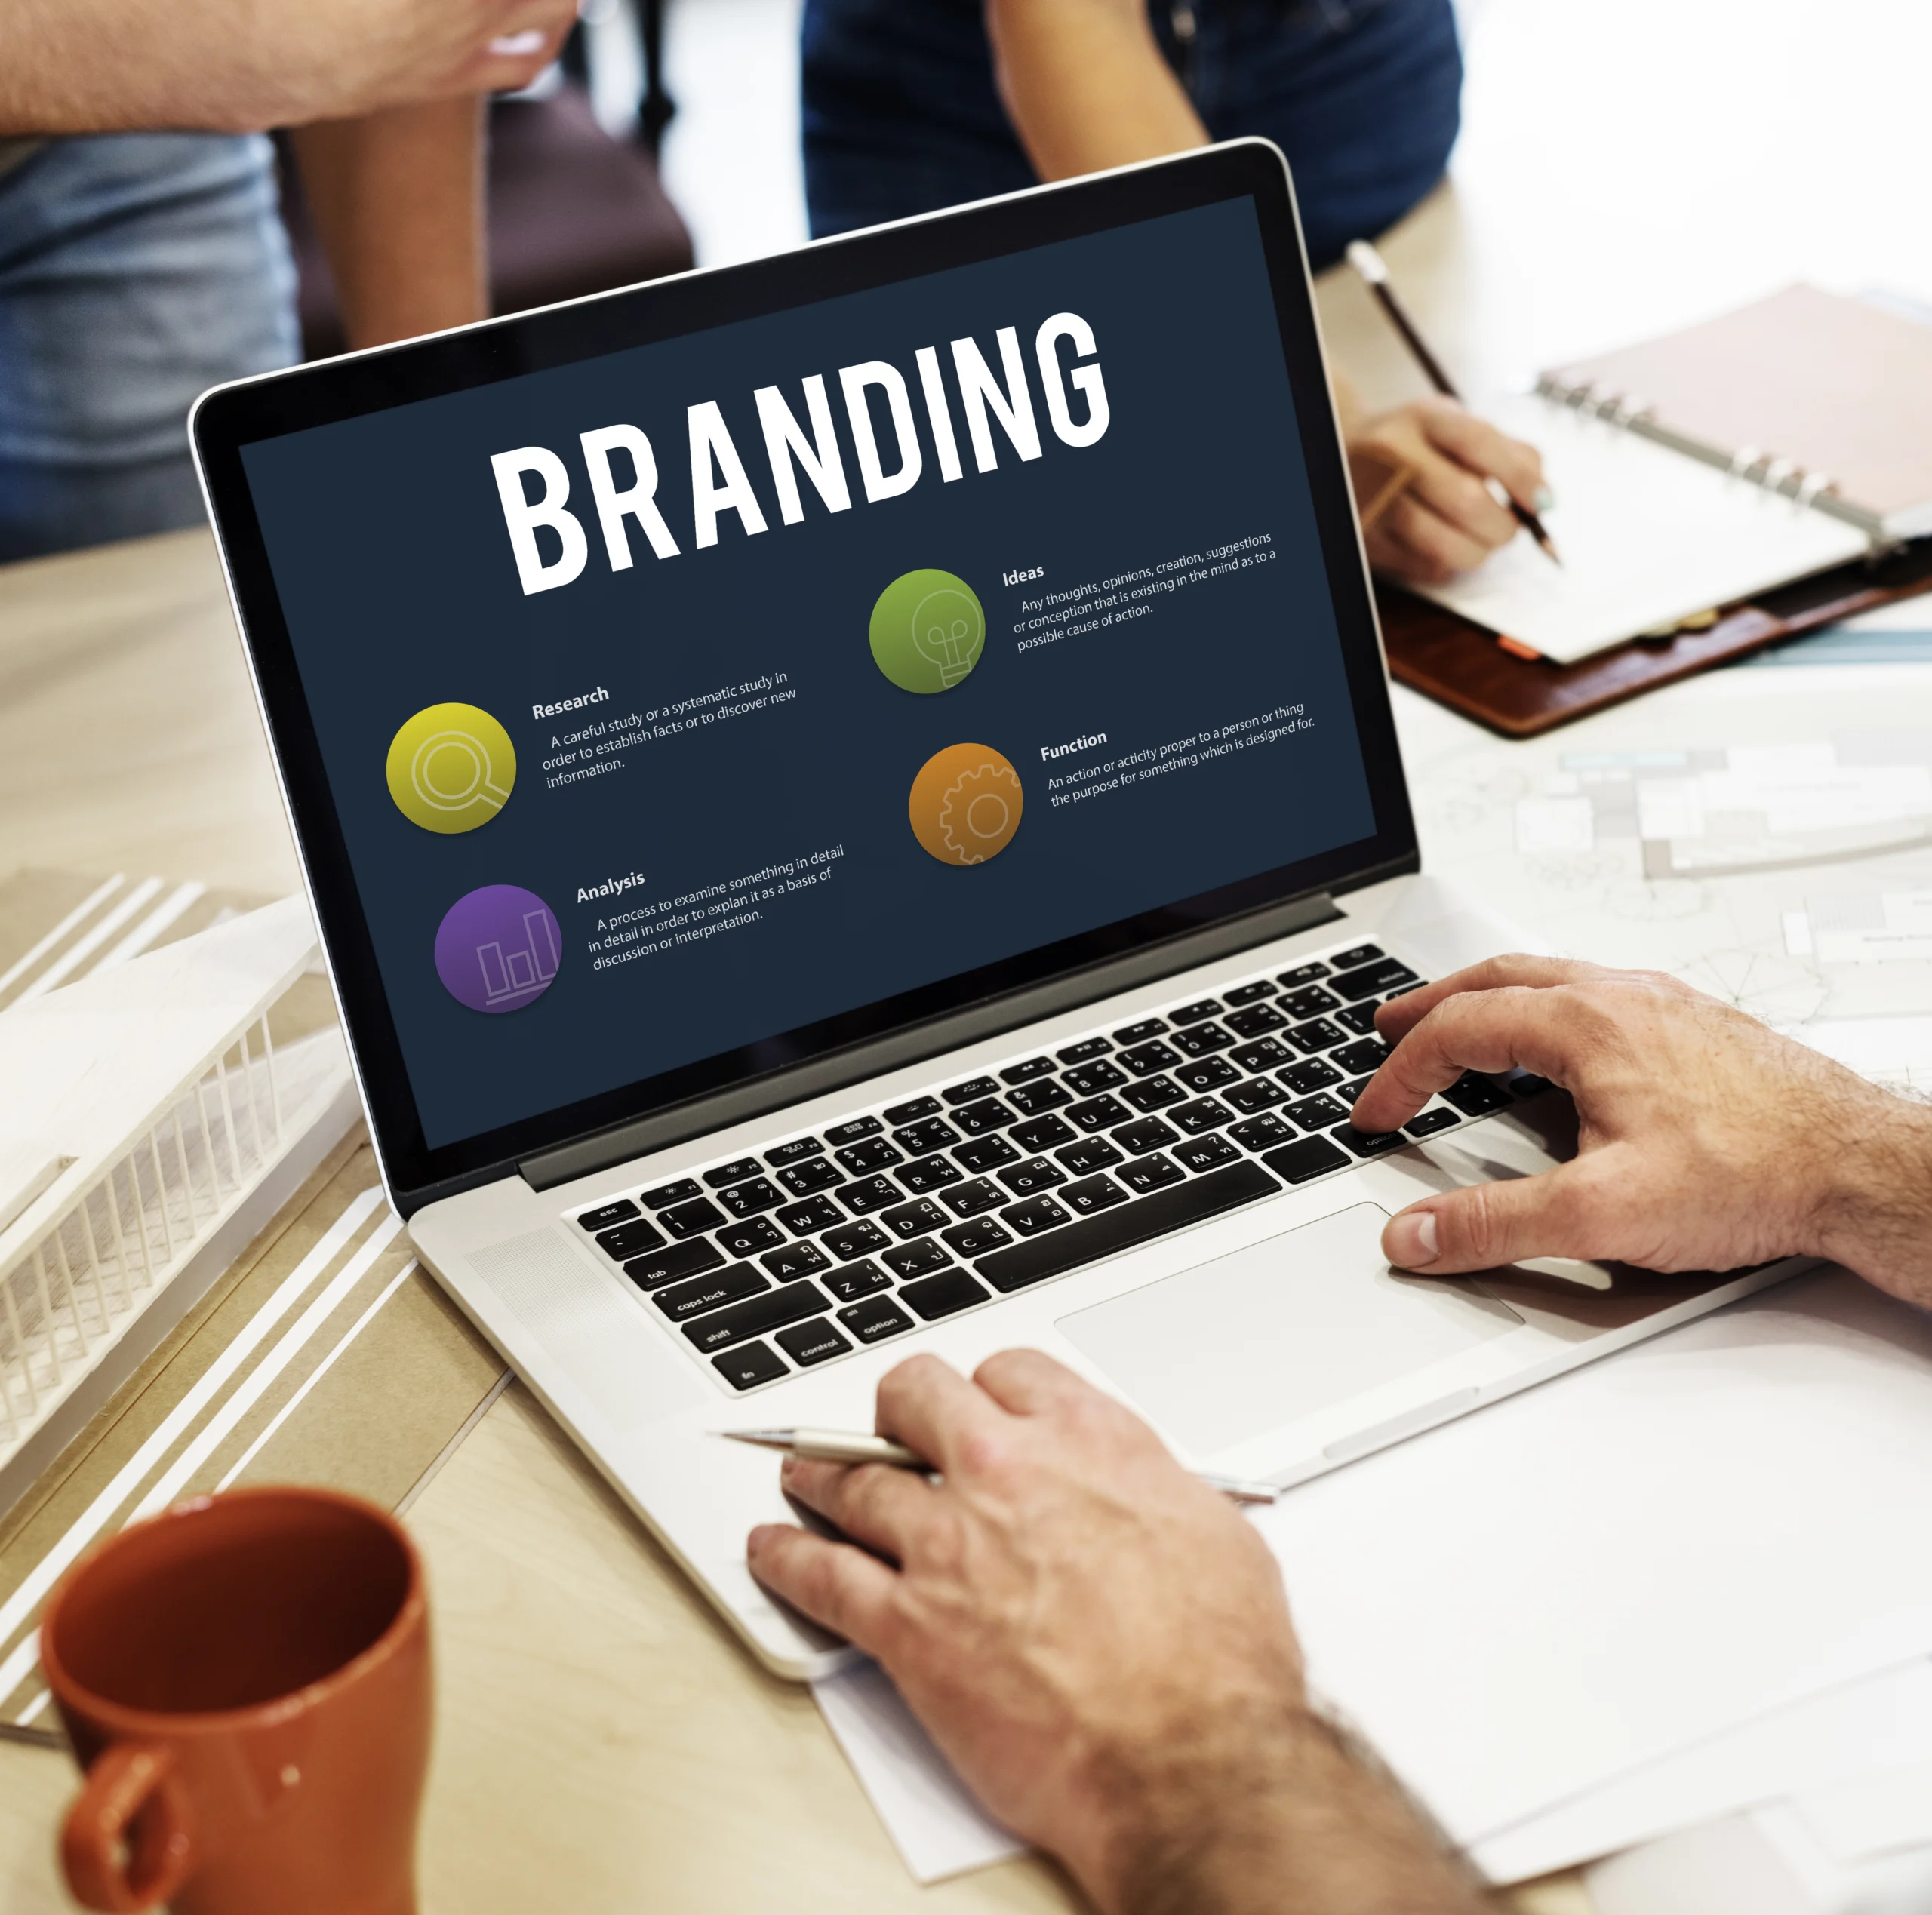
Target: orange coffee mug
[(245, 1680)]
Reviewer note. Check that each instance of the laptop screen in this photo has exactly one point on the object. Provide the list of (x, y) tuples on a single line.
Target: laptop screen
[(689, 706)]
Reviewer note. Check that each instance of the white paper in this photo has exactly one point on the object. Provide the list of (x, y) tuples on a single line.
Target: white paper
[(1648, 537), (1865, 1816), (1832, 1744), (933, 1819)]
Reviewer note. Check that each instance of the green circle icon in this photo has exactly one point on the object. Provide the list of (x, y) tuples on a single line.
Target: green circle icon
[(452, 768), (928, 630)]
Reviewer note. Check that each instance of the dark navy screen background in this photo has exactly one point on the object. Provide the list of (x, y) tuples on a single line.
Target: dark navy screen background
[(397, 580)]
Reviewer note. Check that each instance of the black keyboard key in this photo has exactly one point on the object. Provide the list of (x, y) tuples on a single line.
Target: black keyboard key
[(985, 1154), (1089, 1154), (1089, 1080), (1209, 1074), (808, 1218), (916, 1259), (733, 1172), (807, 1344), (1248, 994), (669, 1266), (749, 1365), (1264, 1054), (789, 1304), (1088, 1048), (1261, 1133), (1476, 1096), (1364, 1054), (1036, 1214), (1204, 1114), (1318, 1034), (911, 1112), (1311, 1000), (1054, 1252), (815, 1173), (1034, 1067), (870, 1193), (1254, 1020), (856, 1279), (1356, 953), (1302, 974), (852, 1240), (1200, 1040), (1385, 974), (1430, 1122), (989, 1115), (747, 1200), (1149, 1134), (795, 1260), (1137, 1034), (850, 1133), (930, 1173), (971, 1091), (1143, 1060), (1035, 1174), (691, 1219), (1209, 1153), (621, 1211), (708, 1293), (976, 1238), (873, 1153), (1311, 1074), (1368, 1143), (1100, 1113), (914, 1219), (1259, 1094), (1317, 1113), (1529, 1085), (877, 1318), (1156, 1094), (1194, 1013), (1308, 1158), (755, 1233), (666, 1194), (1042, 1134), (935, 1297), (796, 1151), (1150, 1173), (629, 1240), (1359, 1019), (1354, 1088), (1092, 1195), (969, 1200), (1030, 1099), (933, 1134)]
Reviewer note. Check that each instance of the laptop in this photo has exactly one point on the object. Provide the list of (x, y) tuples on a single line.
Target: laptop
[(853, 809)]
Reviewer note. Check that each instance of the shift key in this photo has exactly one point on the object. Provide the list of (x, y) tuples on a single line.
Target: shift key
[(790, 1303)]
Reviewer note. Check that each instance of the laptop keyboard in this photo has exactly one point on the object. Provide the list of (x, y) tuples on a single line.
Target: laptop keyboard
[(909, 1212)]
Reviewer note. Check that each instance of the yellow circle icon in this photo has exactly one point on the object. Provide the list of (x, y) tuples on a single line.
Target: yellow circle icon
[(452, 768), (965, 804)]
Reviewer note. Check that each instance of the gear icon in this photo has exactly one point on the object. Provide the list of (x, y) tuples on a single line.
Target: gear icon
[(979, 811)]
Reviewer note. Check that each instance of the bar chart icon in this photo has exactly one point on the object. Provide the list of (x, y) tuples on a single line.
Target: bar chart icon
[(499, 949)]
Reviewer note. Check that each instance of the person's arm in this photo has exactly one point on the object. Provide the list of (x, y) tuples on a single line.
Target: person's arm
[(241, 65), (1706, 1142), (398, 200), (1101, 1646)]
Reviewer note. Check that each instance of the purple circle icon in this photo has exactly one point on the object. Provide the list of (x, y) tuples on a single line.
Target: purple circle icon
[(498, 948)]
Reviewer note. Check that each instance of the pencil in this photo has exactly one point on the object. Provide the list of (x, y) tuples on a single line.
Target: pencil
[(1368, 263)]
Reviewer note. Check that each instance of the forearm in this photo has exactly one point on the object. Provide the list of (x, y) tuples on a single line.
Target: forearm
[(1875, 1213), (1086, 86), (398, 199)]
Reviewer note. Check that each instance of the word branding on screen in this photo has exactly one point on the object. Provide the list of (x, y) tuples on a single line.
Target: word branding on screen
[(721, 484)]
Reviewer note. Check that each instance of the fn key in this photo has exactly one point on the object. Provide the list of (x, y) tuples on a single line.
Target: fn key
[(749, 1365)]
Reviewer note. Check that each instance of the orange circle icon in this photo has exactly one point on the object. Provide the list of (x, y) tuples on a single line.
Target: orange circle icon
[(965, 804)]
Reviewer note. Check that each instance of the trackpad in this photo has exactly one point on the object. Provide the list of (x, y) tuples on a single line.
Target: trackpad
[(1232, 1348)]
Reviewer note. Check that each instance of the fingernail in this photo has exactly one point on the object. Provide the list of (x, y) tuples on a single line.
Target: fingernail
[(788, 1468), (516, 46), (1411, 1239), (755, 1541), (1546, 499)]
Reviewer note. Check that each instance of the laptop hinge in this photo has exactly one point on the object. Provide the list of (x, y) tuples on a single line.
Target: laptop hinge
[(987, 1018)]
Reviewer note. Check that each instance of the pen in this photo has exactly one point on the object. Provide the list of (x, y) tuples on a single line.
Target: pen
[(1368, 263), (848, 1446)]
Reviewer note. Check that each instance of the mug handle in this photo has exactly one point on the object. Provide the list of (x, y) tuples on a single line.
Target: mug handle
[(128, 1844)]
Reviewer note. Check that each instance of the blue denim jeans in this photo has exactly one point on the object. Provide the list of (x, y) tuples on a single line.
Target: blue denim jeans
[(901, 115), (136, 270)]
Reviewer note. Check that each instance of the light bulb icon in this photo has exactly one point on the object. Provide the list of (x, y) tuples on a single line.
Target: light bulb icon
[(928, 631), (948, 630)]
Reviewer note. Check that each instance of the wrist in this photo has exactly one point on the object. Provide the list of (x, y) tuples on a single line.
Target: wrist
[(1874, 1214)]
